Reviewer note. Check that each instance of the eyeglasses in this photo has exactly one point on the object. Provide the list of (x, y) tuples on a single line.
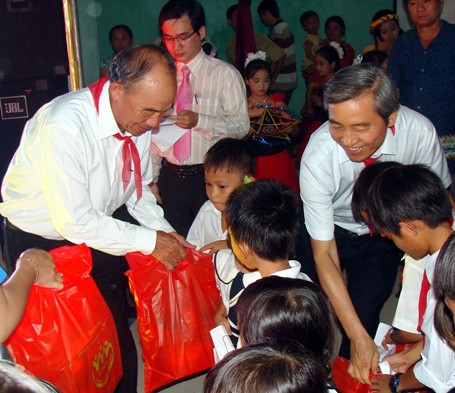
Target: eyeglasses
[(181, 37)]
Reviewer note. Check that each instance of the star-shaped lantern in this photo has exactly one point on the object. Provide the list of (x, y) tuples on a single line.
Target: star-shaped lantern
[(269, 124)]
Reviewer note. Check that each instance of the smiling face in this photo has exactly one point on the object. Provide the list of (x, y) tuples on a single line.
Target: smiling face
[(139, 108), (219, 184), (389, 31), (334, 31), (425, 13), (357, 127), (182, 50), (259, 83)]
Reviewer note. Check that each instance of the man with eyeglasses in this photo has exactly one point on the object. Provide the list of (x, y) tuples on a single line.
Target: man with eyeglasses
[(81, 157), (217, 110)]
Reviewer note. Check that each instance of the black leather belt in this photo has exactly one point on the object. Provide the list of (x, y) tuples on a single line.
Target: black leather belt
[(183, 170)]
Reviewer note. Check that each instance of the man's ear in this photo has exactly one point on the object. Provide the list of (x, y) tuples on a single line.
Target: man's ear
[(116, 90), (392, 119), (202, 32)]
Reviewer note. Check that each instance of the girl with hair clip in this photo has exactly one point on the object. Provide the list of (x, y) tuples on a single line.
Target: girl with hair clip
[(276, 367), (268, 141), (334, 30), (385, 29), (277, 308)]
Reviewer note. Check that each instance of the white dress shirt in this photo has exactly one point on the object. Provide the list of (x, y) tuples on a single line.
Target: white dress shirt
[(327, 175), (219, 98), (64, 181), (206, 227)]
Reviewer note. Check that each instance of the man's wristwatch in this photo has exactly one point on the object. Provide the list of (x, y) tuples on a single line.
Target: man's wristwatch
[(394, 382)]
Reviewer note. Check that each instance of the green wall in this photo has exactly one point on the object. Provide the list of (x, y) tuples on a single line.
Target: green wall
[(97, 17)]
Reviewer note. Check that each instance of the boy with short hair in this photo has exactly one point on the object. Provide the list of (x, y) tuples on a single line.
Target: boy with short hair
[(410, 205), (227, 165), (263, 229)]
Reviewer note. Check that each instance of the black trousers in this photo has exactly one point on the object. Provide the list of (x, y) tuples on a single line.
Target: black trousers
[(370, 264), (183, 191), (107, 273)]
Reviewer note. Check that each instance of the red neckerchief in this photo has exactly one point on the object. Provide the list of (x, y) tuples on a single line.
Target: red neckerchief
[(129, 149)]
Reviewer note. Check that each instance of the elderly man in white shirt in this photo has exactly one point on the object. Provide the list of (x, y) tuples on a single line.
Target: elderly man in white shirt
[(81, 157), (365, 124), (217, 110)]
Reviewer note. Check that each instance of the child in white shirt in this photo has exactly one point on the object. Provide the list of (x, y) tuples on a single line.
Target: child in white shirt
[(227, 165), (263, 229)]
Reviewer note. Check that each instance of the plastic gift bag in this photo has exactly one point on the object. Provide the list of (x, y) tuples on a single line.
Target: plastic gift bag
[(68, 336), (343, 380), (175, 313)]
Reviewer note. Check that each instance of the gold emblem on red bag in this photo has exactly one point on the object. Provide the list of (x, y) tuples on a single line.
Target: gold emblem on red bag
[(102, 364)]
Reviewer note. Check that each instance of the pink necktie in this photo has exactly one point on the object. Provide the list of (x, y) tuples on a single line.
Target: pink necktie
[(130, 153), (182, 148)]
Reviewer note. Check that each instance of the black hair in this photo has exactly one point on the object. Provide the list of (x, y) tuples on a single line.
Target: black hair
[(362, 185), (134, 64), (175, 9), (331, 55), (120, 27), (306, 15), (277, 367), (276, 308), (407, 193), (230, 154), (375, 57), (269, 5), (444, 285), (263, 216), (354, 81), (231, 10), (255, 65), (338, 19)]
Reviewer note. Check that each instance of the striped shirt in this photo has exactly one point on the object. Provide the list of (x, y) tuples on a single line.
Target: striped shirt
[(219, 97), (282, 35)]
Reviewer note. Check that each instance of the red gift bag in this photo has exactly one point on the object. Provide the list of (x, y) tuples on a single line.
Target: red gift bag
[(68, 336), (175, 312), (343, 380)]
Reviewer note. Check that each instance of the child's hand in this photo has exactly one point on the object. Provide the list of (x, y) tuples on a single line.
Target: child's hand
[(213, 247), (402, 361)]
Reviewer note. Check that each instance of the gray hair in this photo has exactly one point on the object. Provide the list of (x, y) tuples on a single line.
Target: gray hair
[(134, 64), (354, 81)]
